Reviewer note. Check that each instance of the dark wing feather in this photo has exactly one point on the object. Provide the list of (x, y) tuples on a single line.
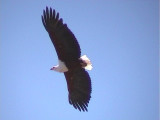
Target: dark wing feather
[(79, 87), (66, 45)]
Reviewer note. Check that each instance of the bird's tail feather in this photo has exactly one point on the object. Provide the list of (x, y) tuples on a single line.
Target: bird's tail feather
[(87, 61)]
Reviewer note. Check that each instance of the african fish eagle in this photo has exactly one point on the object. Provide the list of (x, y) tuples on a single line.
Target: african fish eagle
[(70, 63)]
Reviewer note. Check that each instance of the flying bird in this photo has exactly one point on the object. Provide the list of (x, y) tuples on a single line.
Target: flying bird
[(71, 63)]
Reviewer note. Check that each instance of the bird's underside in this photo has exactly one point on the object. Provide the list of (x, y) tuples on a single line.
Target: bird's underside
[(68, 51)]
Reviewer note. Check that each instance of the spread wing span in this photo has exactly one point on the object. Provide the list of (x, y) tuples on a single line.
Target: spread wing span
[(68, 51), (79, 87), (63, 39)]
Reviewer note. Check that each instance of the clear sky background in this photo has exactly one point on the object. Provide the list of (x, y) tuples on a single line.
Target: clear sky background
[(119, 36)]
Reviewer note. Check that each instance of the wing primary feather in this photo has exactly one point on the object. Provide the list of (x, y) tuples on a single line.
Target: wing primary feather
[(74, 105), (77, 105), (50, 13), (83, 107), (57, 16), (53, 14), (45, 19), (47, 13)]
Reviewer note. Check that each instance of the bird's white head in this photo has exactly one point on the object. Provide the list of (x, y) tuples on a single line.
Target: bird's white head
[(54, 68), (60, 68)]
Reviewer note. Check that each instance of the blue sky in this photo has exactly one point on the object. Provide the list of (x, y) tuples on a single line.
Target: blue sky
[(119, 36)]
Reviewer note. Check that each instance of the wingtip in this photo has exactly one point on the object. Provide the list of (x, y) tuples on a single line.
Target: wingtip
[(48, 8), (80, 106)]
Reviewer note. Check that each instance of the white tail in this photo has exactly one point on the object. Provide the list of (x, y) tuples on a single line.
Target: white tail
[(87, 61)]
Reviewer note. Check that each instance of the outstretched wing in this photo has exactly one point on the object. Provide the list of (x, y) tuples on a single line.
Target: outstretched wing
[(79, 87), (65, 43)]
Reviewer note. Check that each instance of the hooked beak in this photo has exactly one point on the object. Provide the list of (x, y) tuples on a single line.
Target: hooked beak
[(52, 68)]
